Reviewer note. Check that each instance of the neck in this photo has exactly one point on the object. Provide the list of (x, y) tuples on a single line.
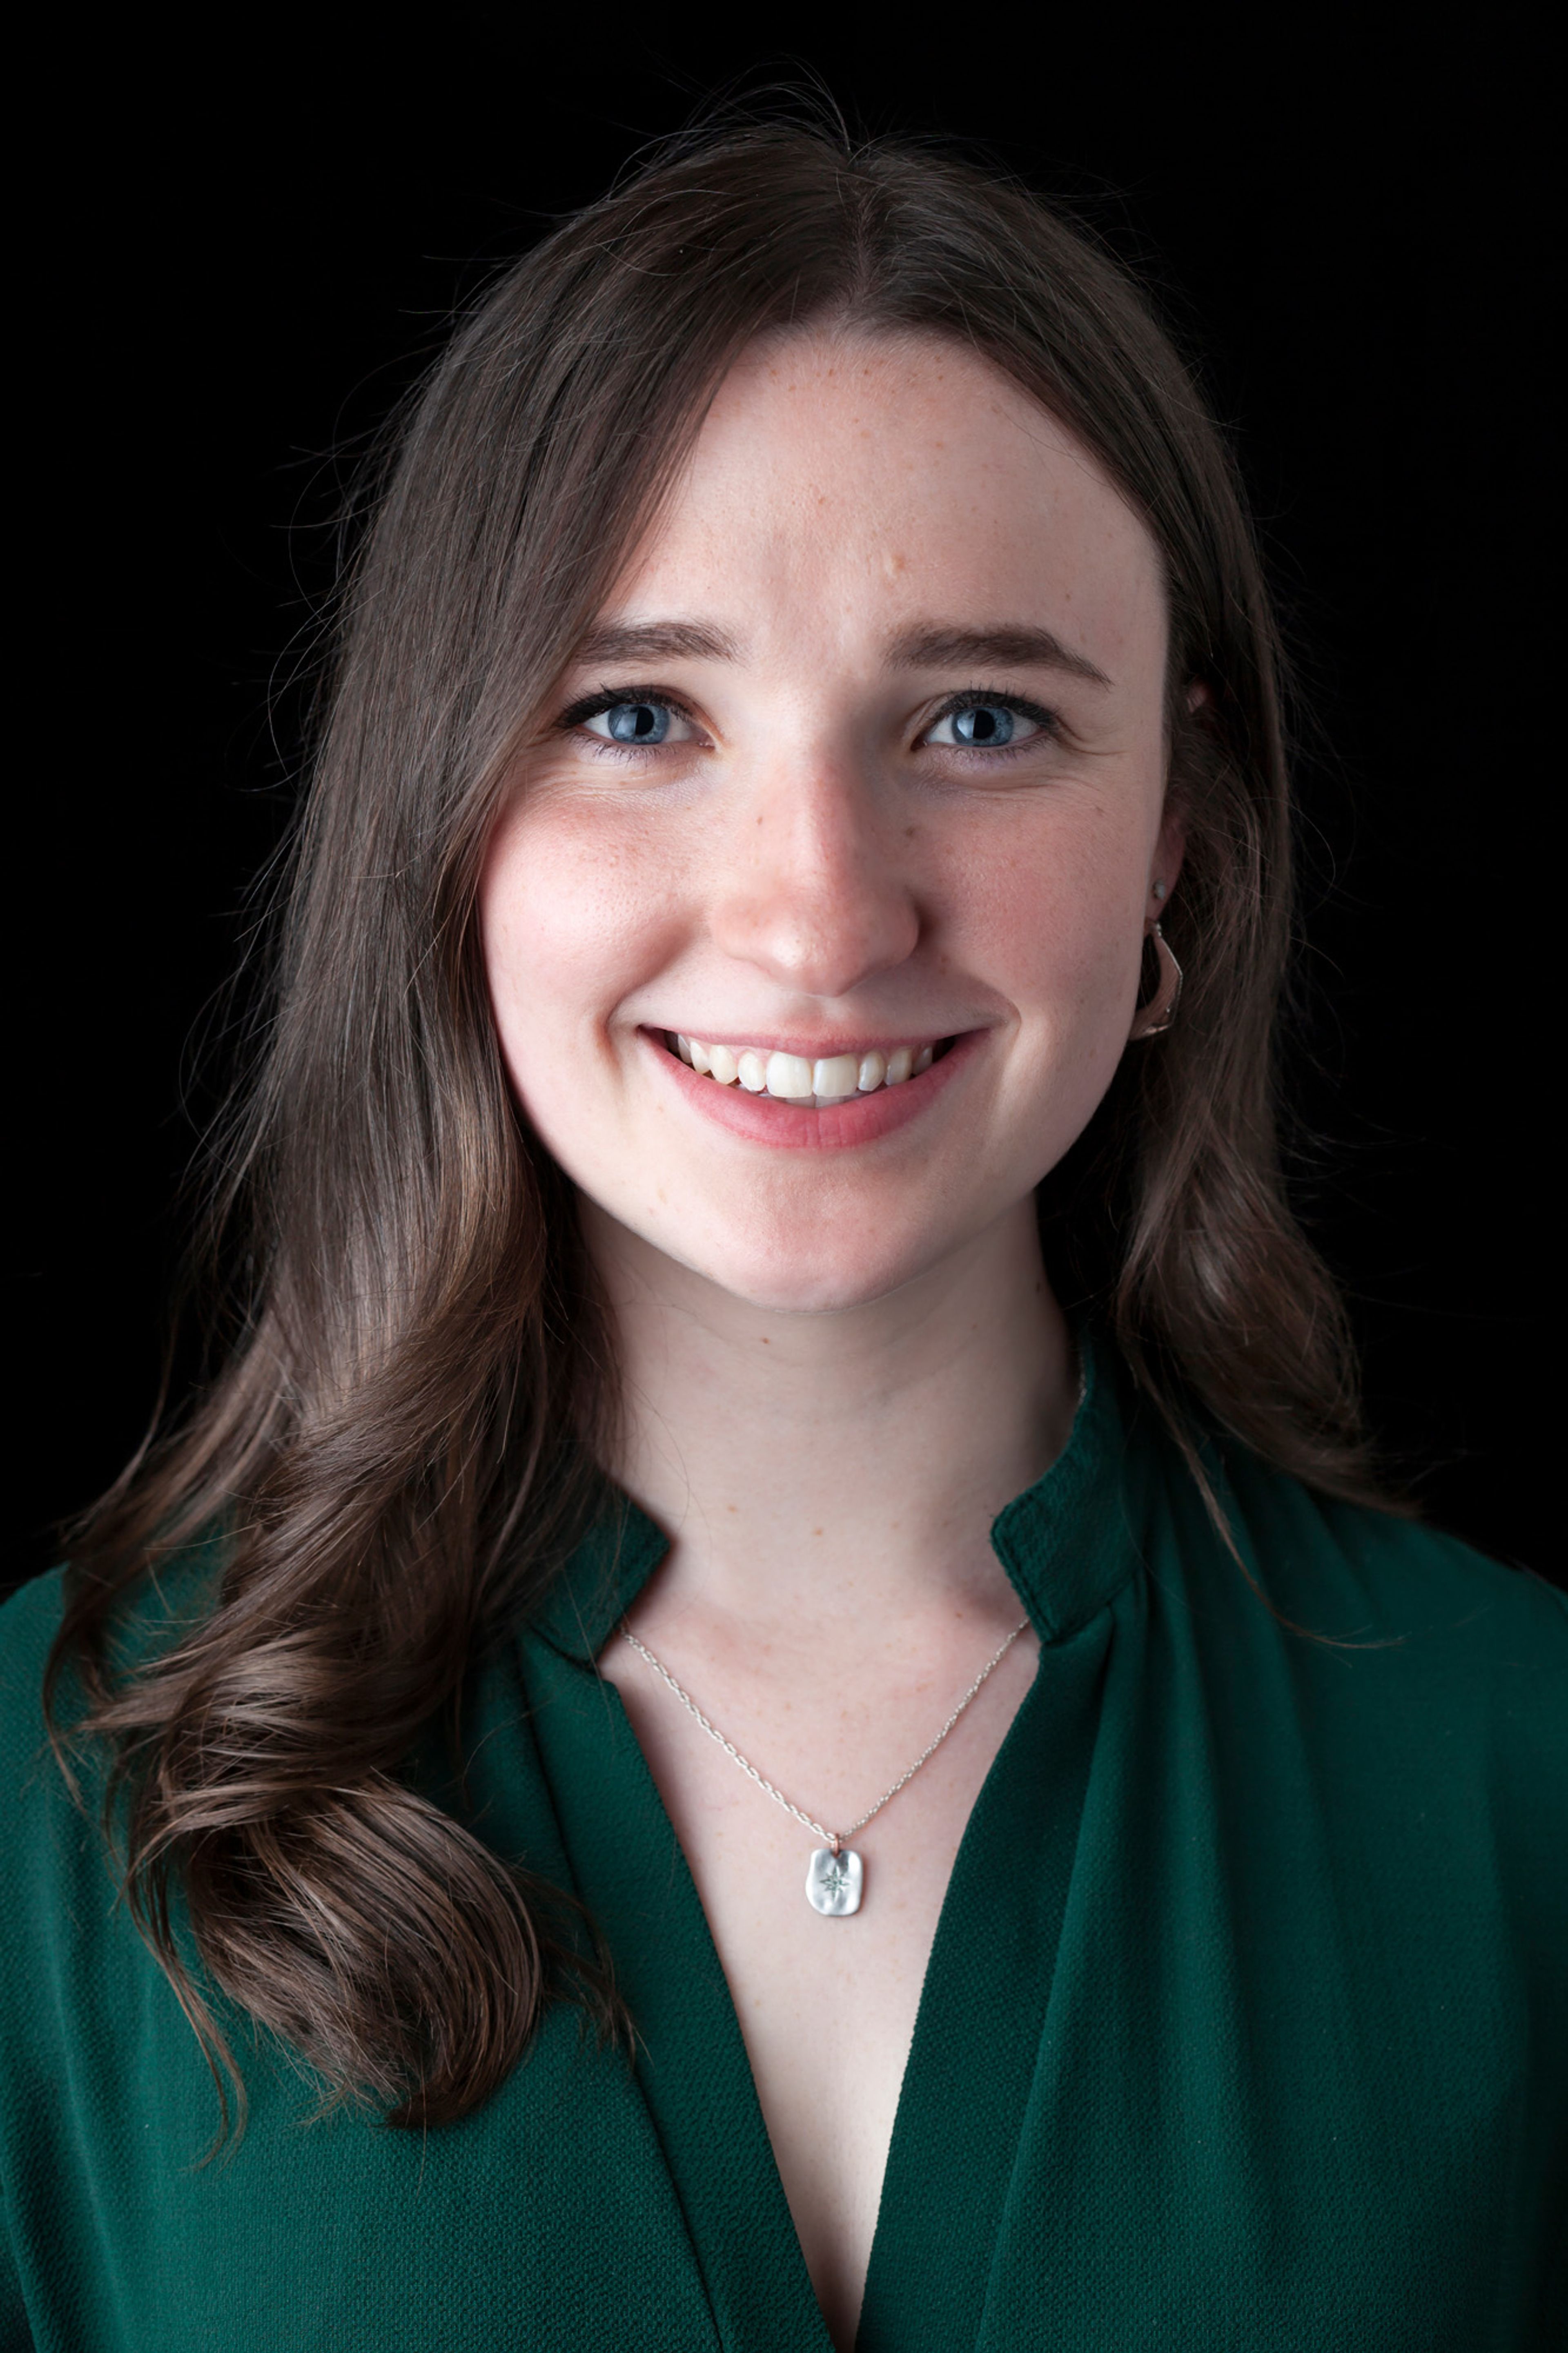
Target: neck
[(838, 1468)]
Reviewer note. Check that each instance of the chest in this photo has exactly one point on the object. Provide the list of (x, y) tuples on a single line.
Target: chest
[(826, 2004), (1216, 2046)]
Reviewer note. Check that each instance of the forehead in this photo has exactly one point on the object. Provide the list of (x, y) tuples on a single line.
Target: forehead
[(877, 479)]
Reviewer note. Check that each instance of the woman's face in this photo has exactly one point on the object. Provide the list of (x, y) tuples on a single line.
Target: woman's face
[(861, 773)]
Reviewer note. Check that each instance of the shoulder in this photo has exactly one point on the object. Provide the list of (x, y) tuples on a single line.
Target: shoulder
[(37, 1806), (1412, 1693), (148, 1617), (28, 1618), (29, 1621), (42, 1824), (1363, 1576), (53, 1863), (1426, 1676)]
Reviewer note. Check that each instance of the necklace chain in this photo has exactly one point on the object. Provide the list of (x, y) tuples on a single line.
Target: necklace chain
[(834, 1839)]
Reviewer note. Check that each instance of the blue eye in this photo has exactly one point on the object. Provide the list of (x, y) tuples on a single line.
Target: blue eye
[(984, 727), (631, 722), (986, 723)]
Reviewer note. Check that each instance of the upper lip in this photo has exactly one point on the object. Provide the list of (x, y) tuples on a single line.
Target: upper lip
[(813, 1049)]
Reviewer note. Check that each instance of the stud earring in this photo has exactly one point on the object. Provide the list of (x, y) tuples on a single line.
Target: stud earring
[(1158, 890)]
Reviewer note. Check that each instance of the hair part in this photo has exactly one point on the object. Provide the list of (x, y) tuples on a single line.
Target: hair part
[(400, 1448)]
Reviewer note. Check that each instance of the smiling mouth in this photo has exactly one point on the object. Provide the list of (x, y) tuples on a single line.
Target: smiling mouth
[(823, 1084)]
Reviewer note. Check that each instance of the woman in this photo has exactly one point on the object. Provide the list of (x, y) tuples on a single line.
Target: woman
[(775, 1671)]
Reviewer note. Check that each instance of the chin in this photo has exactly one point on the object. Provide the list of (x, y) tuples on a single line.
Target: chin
[(826, 1275)]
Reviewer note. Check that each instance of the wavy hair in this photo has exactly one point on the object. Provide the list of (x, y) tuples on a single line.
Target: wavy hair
[(400, 1444)]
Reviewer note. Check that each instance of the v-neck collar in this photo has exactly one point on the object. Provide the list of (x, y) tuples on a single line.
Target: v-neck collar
[(1070, 1544), (1063, 1542)]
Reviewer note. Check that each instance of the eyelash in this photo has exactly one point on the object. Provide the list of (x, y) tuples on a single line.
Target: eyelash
[(971, 698), (593, 705), (982, 698), (609, 697)]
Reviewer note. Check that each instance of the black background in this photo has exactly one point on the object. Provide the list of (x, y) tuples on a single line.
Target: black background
[(243, 254)]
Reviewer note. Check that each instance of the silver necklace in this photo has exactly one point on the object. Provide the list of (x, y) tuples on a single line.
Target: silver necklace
[(835, 1876)]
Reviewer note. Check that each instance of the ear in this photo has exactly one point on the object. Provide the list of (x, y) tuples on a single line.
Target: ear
[(1171, 846), (1170, 849)]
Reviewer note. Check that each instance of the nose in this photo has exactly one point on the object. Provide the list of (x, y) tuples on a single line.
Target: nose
[(813, 891)]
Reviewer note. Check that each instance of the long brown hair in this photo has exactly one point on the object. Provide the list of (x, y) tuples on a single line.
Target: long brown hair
[(400, 1444)]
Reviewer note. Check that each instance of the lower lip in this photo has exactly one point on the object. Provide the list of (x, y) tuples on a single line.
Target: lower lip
[(862, 1119)]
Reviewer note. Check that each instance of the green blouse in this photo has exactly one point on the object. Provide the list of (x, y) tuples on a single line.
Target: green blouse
[(1246, 2023)]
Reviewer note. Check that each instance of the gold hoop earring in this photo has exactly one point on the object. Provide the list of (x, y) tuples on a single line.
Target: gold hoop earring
[(1152, 1020)]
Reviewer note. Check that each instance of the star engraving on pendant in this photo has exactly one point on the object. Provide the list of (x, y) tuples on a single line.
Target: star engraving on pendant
[(833, 1882)]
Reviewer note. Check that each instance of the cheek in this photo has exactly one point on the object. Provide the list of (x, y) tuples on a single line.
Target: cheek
[(1055, 918), (574, 913)]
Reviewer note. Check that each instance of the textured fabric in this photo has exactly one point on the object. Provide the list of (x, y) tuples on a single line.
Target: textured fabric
[(1244, 2026)]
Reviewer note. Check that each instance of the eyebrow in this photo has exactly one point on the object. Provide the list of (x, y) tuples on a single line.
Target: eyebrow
[(927, 644), (657, 641), (934, 645)]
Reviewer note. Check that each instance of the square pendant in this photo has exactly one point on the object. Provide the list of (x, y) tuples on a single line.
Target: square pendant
[(833, 1882)]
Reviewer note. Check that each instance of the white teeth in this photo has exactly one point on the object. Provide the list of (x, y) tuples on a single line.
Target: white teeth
[(837, 1075), (798, 1078), (789, 1076)]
